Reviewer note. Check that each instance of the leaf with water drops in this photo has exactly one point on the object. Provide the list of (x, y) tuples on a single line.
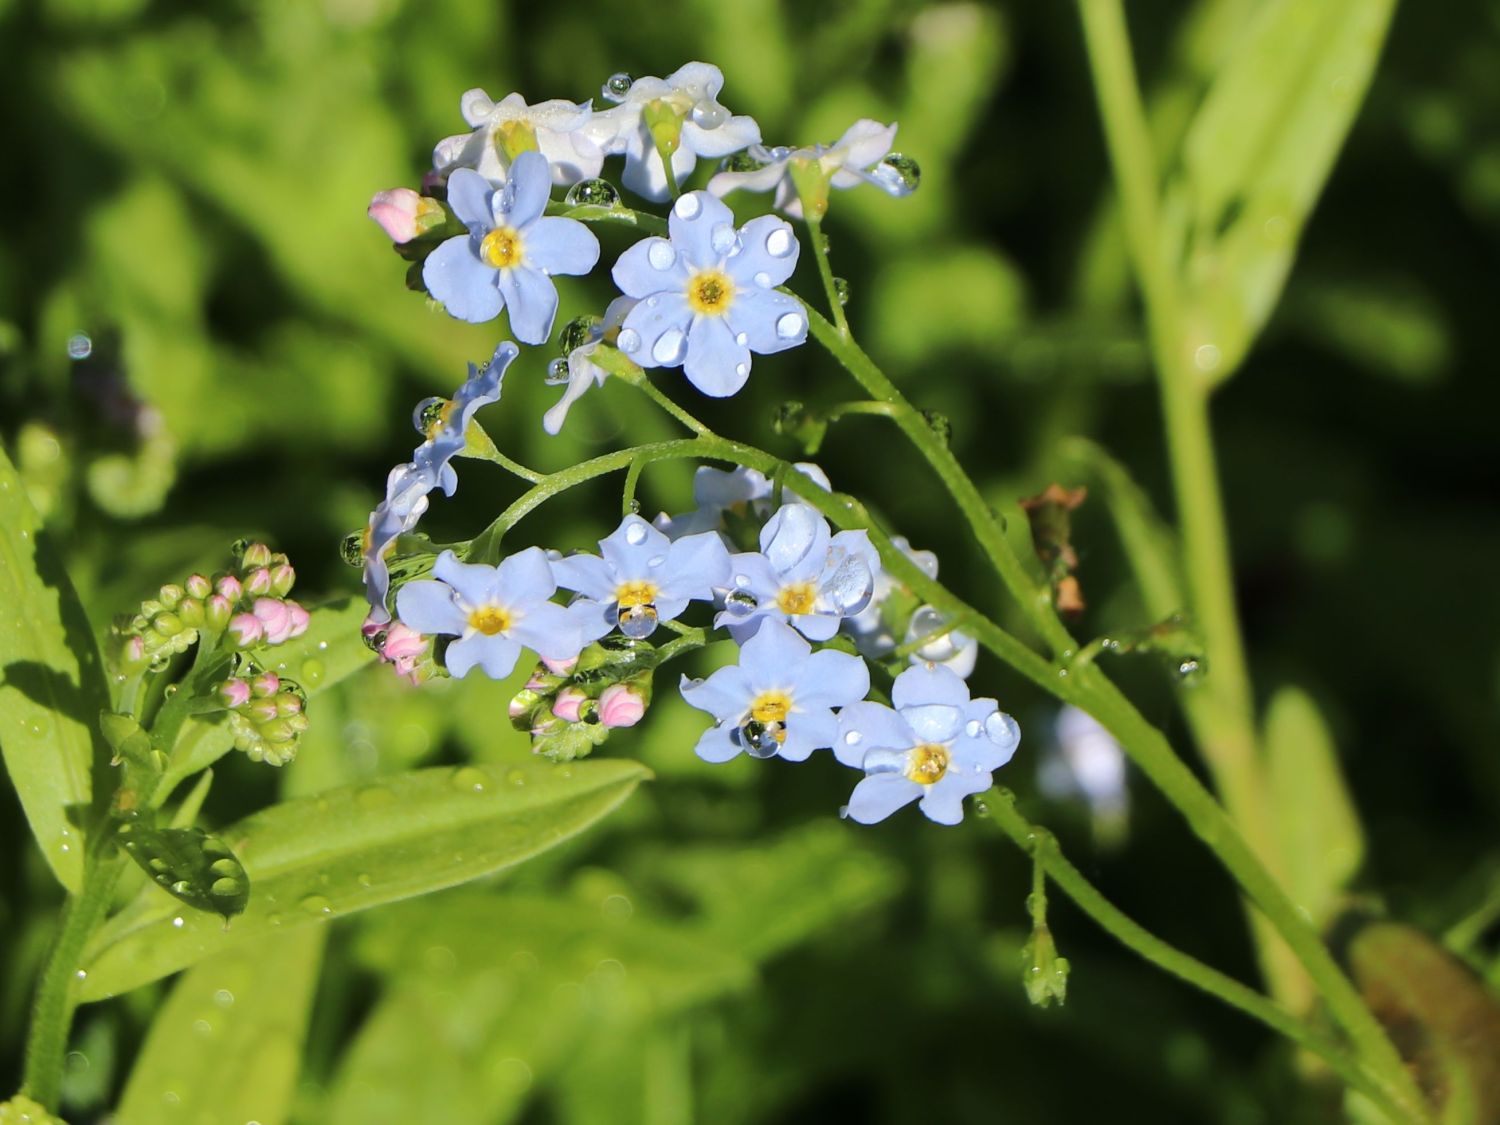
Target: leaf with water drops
[(226, 1046), (190, 865), (51, 684), (353, 848)]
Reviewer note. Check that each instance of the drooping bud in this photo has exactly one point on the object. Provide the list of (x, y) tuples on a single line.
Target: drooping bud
[(620, 706)]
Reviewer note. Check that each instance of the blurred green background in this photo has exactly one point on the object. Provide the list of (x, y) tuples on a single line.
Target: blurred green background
[(186, 187)]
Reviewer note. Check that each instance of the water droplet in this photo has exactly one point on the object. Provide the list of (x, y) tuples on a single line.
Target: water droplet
[(1190, 669), (1002, 730), (660, 254), (578, 332), (80, 346), (723, 239), (592, 193), (177, 922), (742, 369), (81, 974), (688, 207), (635, 533), (203, 1027), (853, 738), (316, 904), (352, 548), (312, 672), (558, 372), (616, 86), (780, 242), (741, 161), (742, 338), (709, 114), (1207, 357), (467, 779), (225, 888), (273, 919), (790, 325), (904, 174), (973, 727), (630, 341), (762, 740), (516, 777), (763, 279), (841, 289), (427, 414), (181, 887), (638, 621), (669, 347), (364, 880), (740, 602), (224, 998)]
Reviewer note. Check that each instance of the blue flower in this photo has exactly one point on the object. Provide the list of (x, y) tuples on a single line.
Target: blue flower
[(778, 700), (802, 574), (445, 422), (874, 627), (708, 295), (406, 490), (501, 131), (739, 490), (583, 372), (511, 251), (493, 611), (644, 578), (937, 746)]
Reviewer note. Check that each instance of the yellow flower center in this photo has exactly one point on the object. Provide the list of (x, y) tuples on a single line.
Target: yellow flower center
[(771, 707), (502, 248), (710, 292), (928, 764), (797, 597), (489, 620), (639, 592)]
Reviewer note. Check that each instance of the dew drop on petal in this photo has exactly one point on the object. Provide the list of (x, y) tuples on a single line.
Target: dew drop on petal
[(630, 340), (1002, 730), (592, 193), (763, 279), (853, 738), (742, 369), (709, 114), (973, 727), (723, 238), (742, 338), (779, 242), (557, 374), (616, 87), (661, 255), (790, 326), (688, 207), (635, 534), (669, 347)]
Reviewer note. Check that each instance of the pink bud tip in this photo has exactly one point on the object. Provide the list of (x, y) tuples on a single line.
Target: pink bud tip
[(265, 684), (229, 587), (403, 643), (245, 629), (566, 705), (276, 617), (258, 582), (560, 667), (300, 618), (282, 579), (199, 586), (516, 708), (396, 212), (234, 693), (620, 707), (135, 650), (256, 555)]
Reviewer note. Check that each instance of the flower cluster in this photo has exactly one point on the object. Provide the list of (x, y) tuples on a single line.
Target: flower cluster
[(266, 714)]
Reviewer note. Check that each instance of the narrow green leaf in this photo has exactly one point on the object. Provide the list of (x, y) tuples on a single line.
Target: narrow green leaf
[(1320, 835), (51, 683), (349, 849), (227, 1044), (1260, 150), (190, 865)]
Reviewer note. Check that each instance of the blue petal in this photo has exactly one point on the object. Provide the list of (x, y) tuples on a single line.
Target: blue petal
[(475, 583), (718, 745), (725, 695), (875, 726), (455, 276), (934, 722), (561, 246), (469, 196), (526, 577), (532, 299), (695, 565), (631, 547), (943, 803), (526, 192), (774, 656), (832, 679), (756, 266), (718, 489), (588, 574), (593, 618), (650, 320), (815, 626), (757, 313), (428, 608), (807, 731), (691, 225), (753, 573), (917, 686), (717, 364), (876, 797), (646, 175), (795, 540), (637, 273), (548, 630), (739, 132), (496, 655)]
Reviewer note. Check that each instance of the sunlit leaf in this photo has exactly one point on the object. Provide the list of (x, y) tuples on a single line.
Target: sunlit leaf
[(51, 684), (349, 849), (226, 1046)]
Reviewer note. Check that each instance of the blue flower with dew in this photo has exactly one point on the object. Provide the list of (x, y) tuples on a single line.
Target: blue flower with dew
[(445, 422), (740, 490), (494, 611), (643, 578), (708, 294), (779, 700), (511, 251), (690, 94), (803, 574), (936, 746), (501, 131), (406, 491)]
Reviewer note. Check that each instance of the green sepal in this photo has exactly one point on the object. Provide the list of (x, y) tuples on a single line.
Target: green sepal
[(665, 125), (811, 180)]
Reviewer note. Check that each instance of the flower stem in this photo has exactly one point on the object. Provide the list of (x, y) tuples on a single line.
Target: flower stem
[(825, 272)]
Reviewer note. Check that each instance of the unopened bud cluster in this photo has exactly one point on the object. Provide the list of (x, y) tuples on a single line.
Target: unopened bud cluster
[(267, 714), (569, 707)]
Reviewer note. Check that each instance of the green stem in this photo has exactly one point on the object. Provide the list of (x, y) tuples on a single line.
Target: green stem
[(1043, 847), (660, 397), (825, 272), (629, 505)]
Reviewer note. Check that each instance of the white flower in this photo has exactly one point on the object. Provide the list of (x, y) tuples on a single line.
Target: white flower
[(708, 129), (503, 129)]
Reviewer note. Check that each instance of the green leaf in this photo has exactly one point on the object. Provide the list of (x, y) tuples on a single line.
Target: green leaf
[(1321, 841), (226, 1046), (51, 684), (1259, 152), (353, 848), (190, 865)]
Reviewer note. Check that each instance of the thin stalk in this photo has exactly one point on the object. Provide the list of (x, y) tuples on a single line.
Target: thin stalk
[(825, 272)]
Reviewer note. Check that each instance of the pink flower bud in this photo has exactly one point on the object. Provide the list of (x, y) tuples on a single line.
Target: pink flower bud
[(560, 667), (256, 555), (282, 578), (245, 629), (229, 588), (266, 684), (217, 610), (134, 651), (396, 212), (234, 693), (620, 707), (191, 612), (199, 586), (403, 643), (258, 582), (288, 704), (262, 710), (566, 705), (516, 708), (300, 618), (276, 617)]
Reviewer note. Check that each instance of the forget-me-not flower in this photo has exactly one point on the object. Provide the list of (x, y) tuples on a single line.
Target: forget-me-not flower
[(501, 131), (936, 746), (855, 158), (511, 251), (690, 96), (583, 372), (778, 700), (739, 490), (644, 578), (406, 489), (708, 295), (445, 422), (803, 574), (493, 610)]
